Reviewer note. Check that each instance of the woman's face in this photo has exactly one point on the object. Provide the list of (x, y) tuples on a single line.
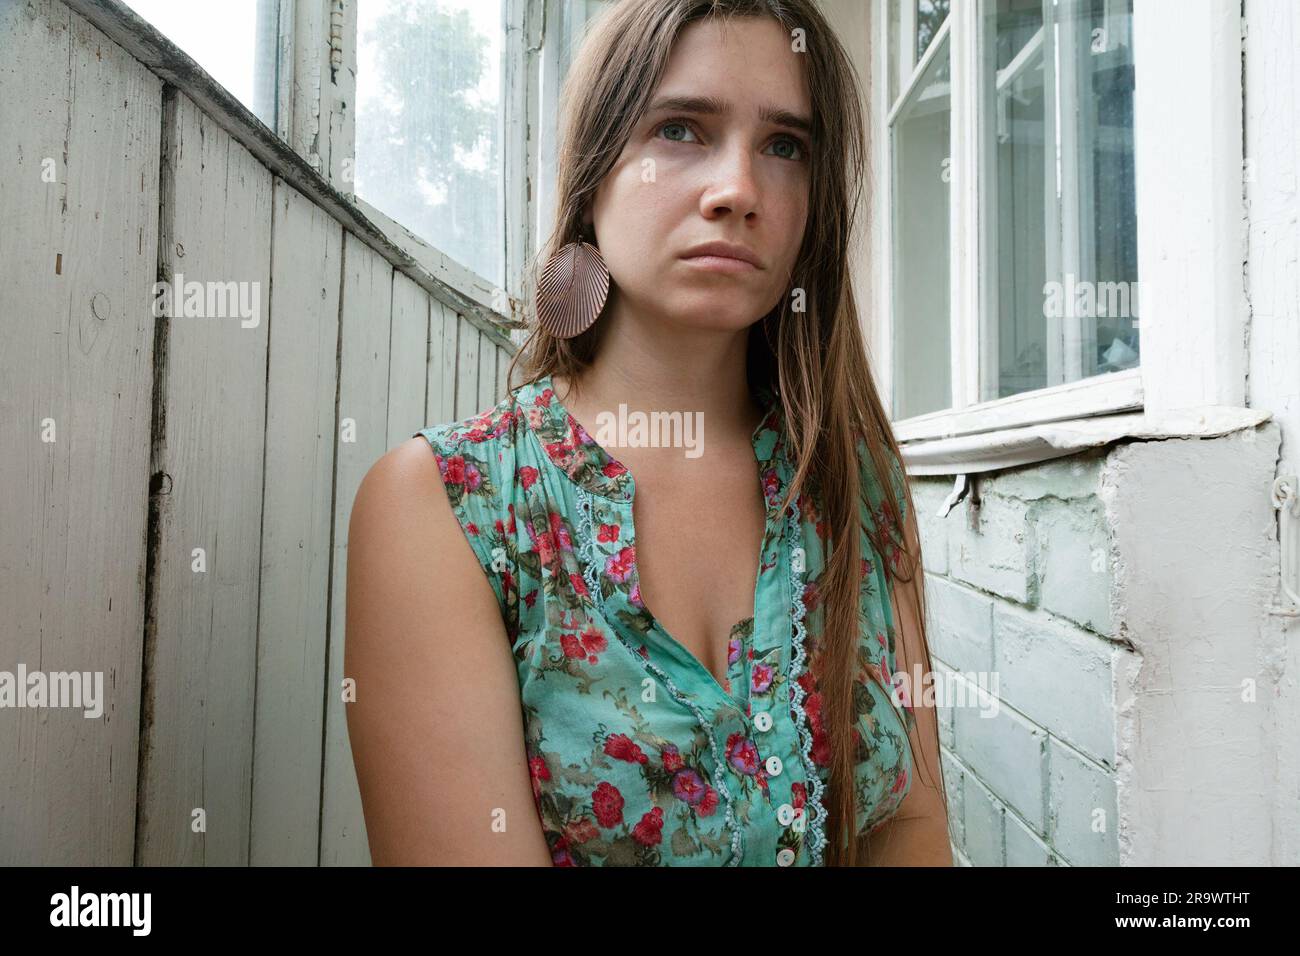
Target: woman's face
[(732, 167)]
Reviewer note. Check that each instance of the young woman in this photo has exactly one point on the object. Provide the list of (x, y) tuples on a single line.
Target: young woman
[(547, 675)]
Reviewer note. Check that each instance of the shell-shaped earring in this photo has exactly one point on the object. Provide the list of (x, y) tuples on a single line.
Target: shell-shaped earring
[(572, 290)]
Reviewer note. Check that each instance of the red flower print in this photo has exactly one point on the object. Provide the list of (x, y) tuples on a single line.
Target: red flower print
[(771, 483), (571, 646), (742, 753), (472, 528), (472, 477), (761, 678), (560, 853), (620, 565), (560, 531), (798, 794), (530, 598), (579, 585), (527, 475), (672, 758), (812, 596), (537, 772), (900, 782), (545, 397), (649, 831), (593, 641), (580, 830), (455, 471), (688, 786), (708, 804), (821, 750), (607, 804), (511, 527), (499, 527), (608, 532), (621, 747), (733, 650), (613, 469)]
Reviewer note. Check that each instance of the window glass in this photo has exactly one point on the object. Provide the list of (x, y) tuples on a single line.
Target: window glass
[(1058, 195), (930, 15), (429, 123), (921, 148)]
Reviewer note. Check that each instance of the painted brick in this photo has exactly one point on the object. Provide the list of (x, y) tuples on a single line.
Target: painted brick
[(1081, 795), (994, 556), (1058, 676), (1007, 752), (1072, 562), (1077, 476), (959, 624), (928, 495), (982, 824), (954, 785), (1024, 847)]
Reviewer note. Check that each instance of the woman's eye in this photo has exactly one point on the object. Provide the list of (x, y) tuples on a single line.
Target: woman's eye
[(674, 125), (790, 142)]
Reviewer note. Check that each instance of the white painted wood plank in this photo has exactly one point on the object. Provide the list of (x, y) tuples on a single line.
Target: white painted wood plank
[(487, 372), (408, 360), (466, 370), (78, 256), (197, 741), (504, 359), (362, 439), (442, 373), (307, 246)]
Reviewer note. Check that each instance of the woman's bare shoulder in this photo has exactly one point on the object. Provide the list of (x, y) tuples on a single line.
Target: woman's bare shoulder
[(433, 679)]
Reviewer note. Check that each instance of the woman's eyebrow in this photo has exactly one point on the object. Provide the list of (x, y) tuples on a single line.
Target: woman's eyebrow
[(711, 105)]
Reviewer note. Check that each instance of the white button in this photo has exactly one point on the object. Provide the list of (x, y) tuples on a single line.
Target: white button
[(785, 814), (785, 857), (763, 721), (773, 766), (800, 823)]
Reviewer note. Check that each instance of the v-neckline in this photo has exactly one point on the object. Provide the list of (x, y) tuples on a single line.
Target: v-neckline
[(609, 465)]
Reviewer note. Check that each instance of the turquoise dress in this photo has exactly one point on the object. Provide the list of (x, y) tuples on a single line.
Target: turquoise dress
[(638, 756)]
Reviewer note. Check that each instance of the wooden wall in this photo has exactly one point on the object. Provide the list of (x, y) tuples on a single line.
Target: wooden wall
[(176, 491)]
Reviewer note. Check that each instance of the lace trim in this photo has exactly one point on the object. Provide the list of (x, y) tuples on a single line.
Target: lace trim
[(816, 837), (587, 550)]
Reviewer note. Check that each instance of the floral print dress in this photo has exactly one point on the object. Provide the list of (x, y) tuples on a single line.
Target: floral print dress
[(638, 756)]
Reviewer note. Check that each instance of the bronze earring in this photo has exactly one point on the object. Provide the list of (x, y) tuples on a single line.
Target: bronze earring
[(572, 289)]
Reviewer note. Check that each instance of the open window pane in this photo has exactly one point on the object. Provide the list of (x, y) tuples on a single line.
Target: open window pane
[(930, 15), (429, 123), (233, 40), (920, 143), (1058, 198)]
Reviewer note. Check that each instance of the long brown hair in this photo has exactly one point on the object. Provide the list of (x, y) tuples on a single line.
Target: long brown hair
[(814, 360)]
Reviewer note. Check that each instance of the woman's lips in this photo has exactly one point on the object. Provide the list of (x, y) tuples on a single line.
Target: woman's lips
[(719, 264)]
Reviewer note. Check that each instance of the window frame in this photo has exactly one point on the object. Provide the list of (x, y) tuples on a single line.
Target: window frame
[(1190, 235)]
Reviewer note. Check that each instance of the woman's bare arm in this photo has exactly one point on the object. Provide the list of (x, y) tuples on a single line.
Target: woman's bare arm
[(436, 728), (916, 834)]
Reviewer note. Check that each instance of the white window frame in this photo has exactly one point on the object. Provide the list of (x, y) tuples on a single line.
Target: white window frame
[(1190, 223)]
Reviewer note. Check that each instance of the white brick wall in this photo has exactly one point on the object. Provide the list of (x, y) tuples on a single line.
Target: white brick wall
[(1092, 599)]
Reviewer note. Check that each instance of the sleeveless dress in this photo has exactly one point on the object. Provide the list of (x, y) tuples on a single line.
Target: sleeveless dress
[(638, 756)]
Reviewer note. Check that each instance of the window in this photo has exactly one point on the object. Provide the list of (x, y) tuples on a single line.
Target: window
[(217, 35), (1011, 244), (429, 124), (1058, 193), (921, 135)]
